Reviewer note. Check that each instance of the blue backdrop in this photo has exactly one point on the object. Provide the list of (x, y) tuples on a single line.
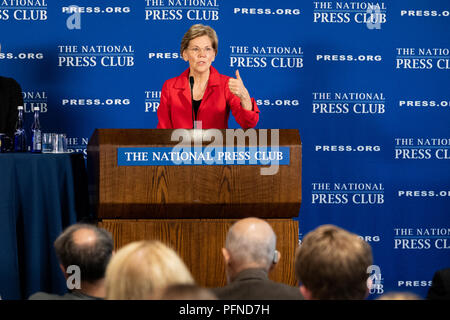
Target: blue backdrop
[(366, 84)]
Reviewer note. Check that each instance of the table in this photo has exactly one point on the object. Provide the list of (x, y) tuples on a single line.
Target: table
[(40, 195)]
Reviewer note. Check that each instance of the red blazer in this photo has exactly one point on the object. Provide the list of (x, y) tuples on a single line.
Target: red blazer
[(175, 108)]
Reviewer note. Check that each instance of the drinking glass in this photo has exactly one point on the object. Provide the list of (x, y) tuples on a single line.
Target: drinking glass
[(47, 142), (59, 143)]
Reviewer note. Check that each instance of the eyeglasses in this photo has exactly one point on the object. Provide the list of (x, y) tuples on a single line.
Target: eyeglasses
[(197, 50)]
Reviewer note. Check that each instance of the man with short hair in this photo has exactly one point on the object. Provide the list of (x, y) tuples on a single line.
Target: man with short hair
[(249, 256), (331, 264), (10, 98), (88, 248), (440, 286)]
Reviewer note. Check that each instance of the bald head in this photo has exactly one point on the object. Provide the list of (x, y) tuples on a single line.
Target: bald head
[(252, 242), (84, 237), (252, 229)]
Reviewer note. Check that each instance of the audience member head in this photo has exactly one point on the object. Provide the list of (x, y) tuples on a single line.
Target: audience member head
[(140, 269), (185, 292), (250, 243), (331, 263), (86, 246), (440, 286), (399, 296)]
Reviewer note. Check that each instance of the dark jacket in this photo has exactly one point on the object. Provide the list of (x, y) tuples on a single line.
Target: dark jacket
[(440, 288), (10, 98), (254, 284), (75, 295)]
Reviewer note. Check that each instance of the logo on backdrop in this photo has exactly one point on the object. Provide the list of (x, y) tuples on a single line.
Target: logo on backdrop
[(92, 102), (95, 10), (370, 239), (273, 102), (326, 57), (21, 56), (414, 283), (152, 100), (359, 193), (277, 57), (370, 14), (361, 103), (422, 148), (424, 13), (422, 238), (422, 193), (422, 58), (424, 104), (346, 148), (158, 56), (375, 280), (192, 10), (23, 10), (108, 56), (266, 11), (74, 19), (77, 145), (33, 99)]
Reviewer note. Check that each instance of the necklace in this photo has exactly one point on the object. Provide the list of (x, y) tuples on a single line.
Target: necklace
[(199, 91)]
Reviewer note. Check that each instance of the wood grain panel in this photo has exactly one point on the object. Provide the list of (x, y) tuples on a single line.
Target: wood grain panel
[(199, 243)]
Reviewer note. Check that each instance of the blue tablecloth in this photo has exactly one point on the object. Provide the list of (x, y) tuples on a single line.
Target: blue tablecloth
[(40, 195)]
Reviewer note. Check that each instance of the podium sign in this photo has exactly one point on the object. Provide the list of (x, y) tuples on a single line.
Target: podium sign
[(197, 191)]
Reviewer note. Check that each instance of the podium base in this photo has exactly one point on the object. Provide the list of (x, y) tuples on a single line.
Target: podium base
[(199, 243)]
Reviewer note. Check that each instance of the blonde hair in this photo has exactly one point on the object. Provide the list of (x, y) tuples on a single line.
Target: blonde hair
[(140, 269), (399, 296), (332, 263), (185, 292), (199, 30)]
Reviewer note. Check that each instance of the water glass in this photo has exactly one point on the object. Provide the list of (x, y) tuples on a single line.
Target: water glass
[(47, 142), (59, 143)]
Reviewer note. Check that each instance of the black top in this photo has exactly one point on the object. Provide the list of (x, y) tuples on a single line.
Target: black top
[(196, 104), (440, 287), (10, 98), (254, 284), (74, 295)]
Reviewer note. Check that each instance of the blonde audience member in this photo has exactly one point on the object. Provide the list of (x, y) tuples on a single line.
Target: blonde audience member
[(399, 296), (185, 292), (140, 269)]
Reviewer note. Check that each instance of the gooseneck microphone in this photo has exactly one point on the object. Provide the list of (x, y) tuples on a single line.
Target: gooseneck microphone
[(191, 82)]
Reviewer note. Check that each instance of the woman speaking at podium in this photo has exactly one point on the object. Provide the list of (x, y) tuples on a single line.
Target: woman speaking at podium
[(201, 93)]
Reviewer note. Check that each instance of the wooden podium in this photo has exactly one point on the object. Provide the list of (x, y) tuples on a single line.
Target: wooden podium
[(191, 207)]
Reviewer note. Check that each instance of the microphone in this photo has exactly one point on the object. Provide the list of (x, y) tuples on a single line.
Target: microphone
[(191, 82)]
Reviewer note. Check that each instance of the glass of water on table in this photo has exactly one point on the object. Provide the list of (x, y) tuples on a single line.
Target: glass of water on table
[(47, 142)]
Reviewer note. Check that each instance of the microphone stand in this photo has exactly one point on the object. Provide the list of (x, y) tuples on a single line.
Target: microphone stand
[(191, 82)]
